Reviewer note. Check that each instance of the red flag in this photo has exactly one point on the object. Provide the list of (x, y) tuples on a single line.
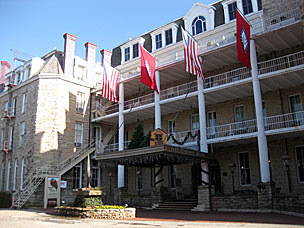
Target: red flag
[(243, 40), (148, 69)]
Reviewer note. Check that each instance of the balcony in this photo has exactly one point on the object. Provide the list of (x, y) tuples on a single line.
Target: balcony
[(274, 125), (275, 73)]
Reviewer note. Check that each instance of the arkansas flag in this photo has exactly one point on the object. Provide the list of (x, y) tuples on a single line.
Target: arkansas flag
[(148, 69), (243, 40)]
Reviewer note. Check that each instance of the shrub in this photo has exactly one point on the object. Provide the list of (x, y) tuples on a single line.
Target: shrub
[(92, 202), (5, 200)]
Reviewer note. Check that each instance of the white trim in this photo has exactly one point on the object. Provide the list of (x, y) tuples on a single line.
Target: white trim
[(22, 173), (9, 167)]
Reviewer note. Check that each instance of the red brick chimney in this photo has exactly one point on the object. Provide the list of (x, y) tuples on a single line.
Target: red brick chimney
[(90, 52), (5, 67), (69, 53)]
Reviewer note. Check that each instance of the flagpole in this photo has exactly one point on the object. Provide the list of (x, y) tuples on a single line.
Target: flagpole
[(243, 16), (189, 34)]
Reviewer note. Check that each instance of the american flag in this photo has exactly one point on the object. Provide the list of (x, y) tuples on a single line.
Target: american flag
[(193, 62), (109, 82)]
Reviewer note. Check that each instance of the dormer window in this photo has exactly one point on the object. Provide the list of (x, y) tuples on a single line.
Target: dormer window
[(199, 25), (130, 50), (232, 10), (164, 36), (127, 54), (247, 6), (158, 40), (135, 50), (168, 34)]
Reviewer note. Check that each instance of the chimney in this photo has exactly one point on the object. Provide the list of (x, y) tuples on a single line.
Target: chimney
[(90, 52), (106, 56), (5, 66), (69, 52)]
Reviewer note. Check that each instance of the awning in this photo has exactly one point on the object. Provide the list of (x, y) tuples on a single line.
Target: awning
[(153, 155)]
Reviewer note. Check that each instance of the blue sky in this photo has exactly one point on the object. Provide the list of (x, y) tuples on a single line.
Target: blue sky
[(37, 26)]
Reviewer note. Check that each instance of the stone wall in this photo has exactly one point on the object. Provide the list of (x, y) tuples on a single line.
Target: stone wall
[(294, 203), (234, 202), (128, 213), (274, 7)]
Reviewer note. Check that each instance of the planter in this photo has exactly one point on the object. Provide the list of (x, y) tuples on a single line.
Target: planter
[(127, 213)]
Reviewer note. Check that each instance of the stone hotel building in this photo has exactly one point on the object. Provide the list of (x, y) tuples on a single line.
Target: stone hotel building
[(234, 141)]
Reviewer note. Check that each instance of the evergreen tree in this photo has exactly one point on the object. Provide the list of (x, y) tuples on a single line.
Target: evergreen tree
[(139, 139)]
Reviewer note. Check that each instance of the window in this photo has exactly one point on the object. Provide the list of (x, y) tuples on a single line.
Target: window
[(244, 169), (2, 138), (8, 175), (171, 126), (78, 134), (135, 50), (11, 137), (295, 105), (172, 176), (83, 73), (95, 174), (199, 25), (2, 176), (80, 102), (195, 122), (138, 178), (168, 35), (158, 40), (24, 101), (22, 126), (239, 113), (247, 6), (127, 54), (300, 162), (22, 173), (15, 174), (211, 124), (14, 107), (5, 109), (28, 72), (232, 11), (77, 176)]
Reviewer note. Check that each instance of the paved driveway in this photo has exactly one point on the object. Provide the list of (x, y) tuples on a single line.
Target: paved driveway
[(147, 219)]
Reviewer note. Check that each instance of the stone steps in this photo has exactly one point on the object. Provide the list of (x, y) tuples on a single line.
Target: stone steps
[(185, 205)]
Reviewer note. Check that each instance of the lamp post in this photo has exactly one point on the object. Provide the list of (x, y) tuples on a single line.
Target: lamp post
[(285, 160), (232, 167)]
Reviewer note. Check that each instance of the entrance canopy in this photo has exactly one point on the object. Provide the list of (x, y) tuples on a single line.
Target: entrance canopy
[(151, 156)]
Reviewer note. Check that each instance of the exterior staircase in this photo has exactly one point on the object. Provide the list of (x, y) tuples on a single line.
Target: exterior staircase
[(34, 179), (181, 205)]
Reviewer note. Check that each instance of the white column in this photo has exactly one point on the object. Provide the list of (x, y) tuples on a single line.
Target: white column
[(262, 141), (157, 118), (156, 100), (121, 131), (202, 122)]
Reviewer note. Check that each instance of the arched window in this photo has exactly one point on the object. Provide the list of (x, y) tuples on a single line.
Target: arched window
[(199, 25), (22, 173), (15, 174), (2, 176), (8, 175)]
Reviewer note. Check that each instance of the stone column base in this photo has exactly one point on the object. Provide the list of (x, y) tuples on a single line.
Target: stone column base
[(265, 195), (203, 197)]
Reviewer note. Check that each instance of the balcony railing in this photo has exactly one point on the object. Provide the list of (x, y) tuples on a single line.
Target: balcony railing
[(281, 63), (288, 120), (115, 147), (265, 67), (282, 19)]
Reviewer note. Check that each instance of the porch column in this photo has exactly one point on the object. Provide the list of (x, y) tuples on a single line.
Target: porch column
[(262, 141), (121, 134), (158, 177), (157, 99), (202, 122)]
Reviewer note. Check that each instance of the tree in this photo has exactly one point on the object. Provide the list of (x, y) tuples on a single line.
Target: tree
[(139, 139)]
